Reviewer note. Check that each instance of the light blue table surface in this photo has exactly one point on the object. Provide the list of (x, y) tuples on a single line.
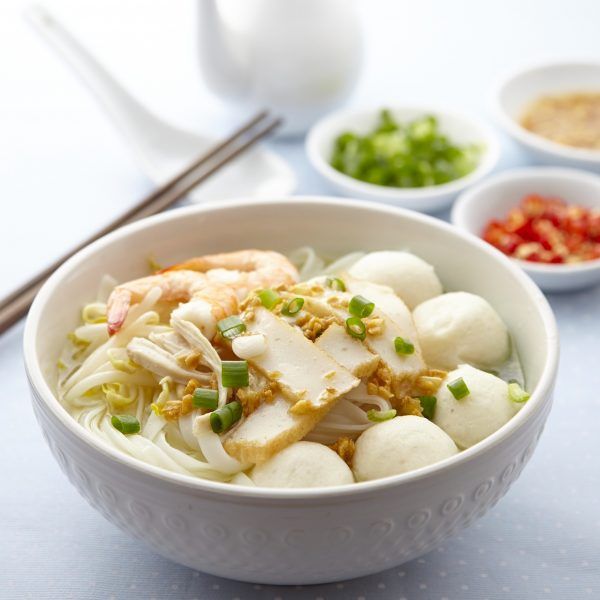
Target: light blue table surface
[(541, 541)]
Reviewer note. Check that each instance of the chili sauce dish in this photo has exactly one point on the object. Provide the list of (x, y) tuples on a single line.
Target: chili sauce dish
[(545, 219), (417, 158), (553, 112), (296, 411)]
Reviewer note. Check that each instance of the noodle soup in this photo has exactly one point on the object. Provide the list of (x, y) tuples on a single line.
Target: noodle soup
[(259, 369)]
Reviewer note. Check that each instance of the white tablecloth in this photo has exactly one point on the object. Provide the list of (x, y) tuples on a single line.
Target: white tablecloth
[(64, 171)]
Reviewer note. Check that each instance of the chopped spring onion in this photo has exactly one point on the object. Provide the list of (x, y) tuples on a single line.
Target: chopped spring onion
[(409, 154), (459, 388), (223, 418), (293, 307), (361, 307), (378, 416), (269, 298), (125, 423), (356, 328), (428, 406), (204, 398), (516, 393), (335, 283), (403, 346), (234, 373), (231, 327)]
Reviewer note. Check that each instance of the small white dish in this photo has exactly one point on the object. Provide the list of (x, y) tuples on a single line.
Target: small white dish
[(493, 198), (460, 128), (517, 91)]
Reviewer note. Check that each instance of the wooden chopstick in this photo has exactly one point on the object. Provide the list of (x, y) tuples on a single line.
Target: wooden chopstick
[(15, 305)]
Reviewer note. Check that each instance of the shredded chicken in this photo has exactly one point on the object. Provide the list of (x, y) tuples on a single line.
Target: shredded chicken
[(160, 361)]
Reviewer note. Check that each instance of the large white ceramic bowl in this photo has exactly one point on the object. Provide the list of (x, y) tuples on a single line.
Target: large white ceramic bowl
[(518, 90), (460, 128), (494, 197), (293, 536)]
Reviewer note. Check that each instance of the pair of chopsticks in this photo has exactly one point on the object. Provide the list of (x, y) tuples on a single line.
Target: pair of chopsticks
[(16, 305)]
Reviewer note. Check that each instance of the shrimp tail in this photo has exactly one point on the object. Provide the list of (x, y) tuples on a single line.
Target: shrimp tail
[(118, 307)]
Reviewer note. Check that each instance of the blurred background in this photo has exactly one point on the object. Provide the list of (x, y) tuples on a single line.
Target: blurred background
[(63, 163)]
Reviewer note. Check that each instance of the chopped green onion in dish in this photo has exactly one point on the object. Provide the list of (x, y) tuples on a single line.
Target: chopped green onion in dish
[(125, 424), (404, 155), (234, 373), (428, 406), (203, 398), (231, 327), (293, 307), (378, 416), (360, 307), (458, 388), (269, 298), (356, 328), (403, 346), (335, 283), (223, 418), (517, 394)]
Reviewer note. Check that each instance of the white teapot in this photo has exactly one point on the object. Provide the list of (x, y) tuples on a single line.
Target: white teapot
[(299, 58)]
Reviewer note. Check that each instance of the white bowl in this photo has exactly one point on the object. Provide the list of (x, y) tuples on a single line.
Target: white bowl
[(293, 536), (460, 128), (517, 91), (493, 198)]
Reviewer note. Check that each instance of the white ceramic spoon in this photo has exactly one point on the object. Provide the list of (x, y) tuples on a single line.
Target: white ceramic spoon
[(163, 149)]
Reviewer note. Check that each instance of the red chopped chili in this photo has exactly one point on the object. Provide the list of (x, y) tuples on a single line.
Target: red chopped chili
[(547, 230)]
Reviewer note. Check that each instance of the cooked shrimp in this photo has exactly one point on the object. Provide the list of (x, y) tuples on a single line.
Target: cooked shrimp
[(220, 280), (216, 298), (244, 270)]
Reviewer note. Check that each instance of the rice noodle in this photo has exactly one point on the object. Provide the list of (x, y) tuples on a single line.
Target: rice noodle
[(345, 419), (108, 376), (341, 264), (311, 265), (94, 333), (137, 328), (242, 479), (212, 448), (307, 261)]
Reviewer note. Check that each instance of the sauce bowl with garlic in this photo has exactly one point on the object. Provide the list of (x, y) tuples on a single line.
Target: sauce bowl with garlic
[(553, 112)]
